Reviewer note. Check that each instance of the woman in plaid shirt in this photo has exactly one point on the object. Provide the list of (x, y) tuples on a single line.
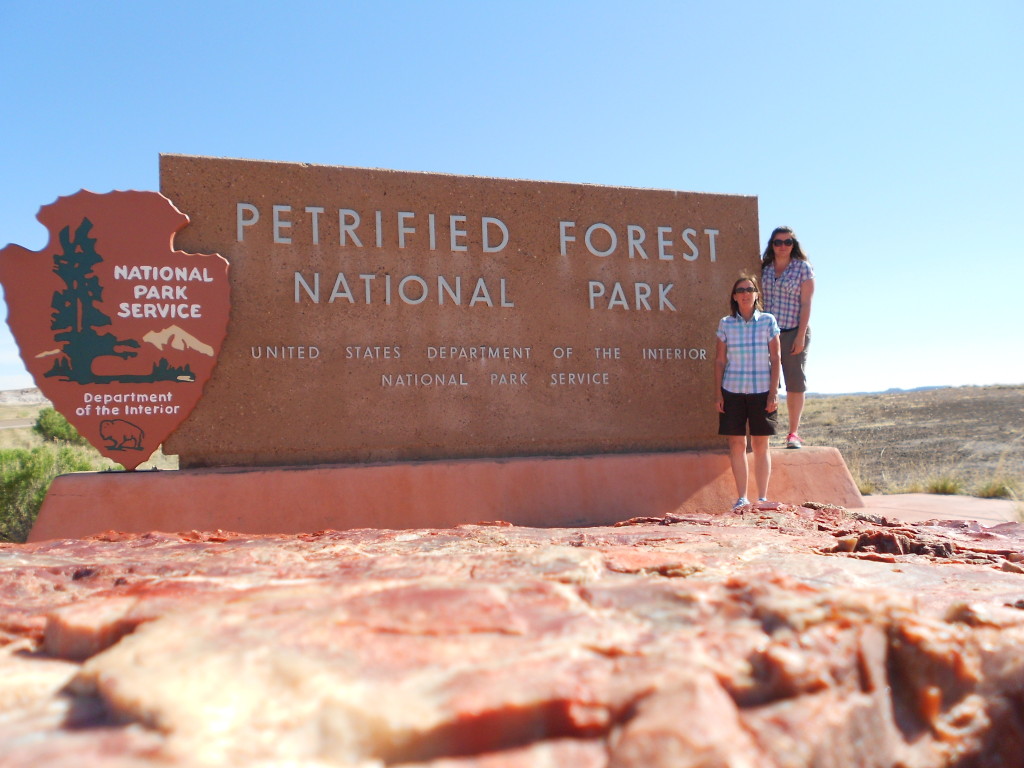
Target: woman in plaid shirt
[(788, 280), (747, 373)]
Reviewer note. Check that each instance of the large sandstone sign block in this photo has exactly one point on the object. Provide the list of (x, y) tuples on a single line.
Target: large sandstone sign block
[(381, 315)]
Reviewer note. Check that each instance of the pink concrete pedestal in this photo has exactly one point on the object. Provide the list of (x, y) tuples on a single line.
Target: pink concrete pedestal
[(541, 492)]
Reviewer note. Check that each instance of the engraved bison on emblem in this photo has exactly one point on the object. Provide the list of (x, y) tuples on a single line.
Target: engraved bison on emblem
[(121, 435)]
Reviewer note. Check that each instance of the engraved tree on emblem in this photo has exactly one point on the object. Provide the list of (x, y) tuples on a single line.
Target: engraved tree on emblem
[(75, 316)]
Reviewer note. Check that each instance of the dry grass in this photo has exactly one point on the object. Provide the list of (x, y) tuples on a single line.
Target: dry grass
[(967, 440)]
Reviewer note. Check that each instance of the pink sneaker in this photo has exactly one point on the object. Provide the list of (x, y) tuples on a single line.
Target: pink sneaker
[(793, 440)]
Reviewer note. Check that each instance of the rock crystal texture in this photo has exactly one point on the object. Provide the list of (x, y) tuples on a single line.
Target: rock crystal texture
[(773, 637)]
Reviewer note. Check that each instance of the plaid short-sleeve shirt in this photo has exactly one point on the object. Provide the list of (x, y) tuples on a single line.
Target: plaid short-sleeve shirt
[(747, 363), (782, 293)]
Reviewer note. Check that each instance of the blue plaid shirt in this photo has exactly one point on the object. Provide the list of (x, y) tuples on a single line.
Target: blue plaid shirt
[(782, 293), (747, 365)]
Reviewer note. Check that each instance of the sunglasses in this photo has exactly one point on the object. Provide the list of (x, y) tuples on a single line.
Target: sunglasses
[(745, 290), (787, 241)]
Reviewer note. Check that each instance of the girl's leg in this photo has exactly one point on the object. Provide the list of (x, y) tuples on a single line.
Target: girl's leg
[(738, 459), (762, 464), (794, 407)]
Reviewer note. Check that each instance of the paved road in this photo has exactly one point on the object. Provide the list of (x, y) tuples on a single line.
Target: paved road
[(918, 507), (16, 423)]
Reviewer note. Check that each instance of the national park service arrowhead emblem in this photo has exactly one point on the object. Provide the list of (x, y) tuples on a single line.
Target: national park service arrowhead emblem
[(119, 330)]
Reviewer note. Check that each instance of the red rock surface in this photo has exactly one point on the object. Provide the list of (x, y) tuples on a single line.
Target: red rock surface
[(777, 637)]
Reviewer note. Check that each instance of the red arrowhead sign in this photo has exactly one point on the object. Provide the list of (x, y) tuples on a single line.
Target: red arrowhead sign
[(119, 330)]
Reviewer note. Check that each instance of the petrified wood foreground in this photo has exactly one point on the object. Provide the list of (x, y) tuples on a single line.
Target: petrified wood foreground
[(774, 637)]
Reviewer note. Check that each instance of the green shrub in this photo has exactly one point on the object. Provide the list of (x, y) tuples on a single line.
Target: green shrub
[(945, 484), (25, 476), (998, 488), (866, 487), (52, 425), (908, 484), (864, 484)]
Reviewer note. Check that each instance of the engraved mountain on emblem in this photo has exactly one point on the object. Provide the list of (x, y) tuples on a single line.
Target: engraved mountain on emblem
[(175, 338)]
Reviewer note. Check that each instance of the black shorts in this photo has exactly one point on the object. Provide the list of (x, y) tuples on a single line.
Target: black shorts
[(743, 409)]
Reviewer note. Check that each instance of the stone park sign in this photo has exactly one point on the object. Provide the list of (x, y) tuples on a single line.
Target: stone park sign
[(334, 348), (118, 330), (380, 315)]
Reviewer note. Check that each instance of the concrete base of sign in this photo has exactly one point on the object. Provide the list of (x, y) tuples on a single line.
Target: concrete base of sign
[(540, 492)]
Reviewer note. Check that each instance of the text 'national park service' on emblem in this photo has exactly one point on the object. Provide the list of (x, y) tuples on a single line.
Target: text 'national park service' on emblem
[(119, 331)]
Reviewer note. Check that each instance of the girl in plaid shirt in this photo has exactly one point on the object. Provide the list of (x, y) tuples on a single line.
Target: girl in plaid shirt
[(788, 281), (747, 373)]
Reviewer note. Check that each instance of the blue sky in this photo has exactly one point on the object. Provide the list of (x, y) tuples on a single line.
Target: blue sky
[(890, 136)]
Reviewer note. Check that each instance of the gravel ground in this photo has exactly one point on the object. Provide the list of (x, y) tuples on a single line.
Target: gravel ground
[(905, 441)]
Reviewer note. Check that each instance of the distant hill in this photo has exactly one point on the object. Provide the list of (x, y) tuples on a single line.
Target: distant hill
[(28, 396), (890, 391)]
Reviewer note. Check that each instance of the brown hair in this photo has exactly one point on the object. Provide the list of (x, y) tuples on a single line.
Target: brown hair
[(732, 294), (768, 257)]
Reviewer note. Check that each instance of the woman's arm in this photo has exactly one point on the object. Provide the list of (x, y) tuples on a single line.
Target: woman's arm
[(806, 294), (775, 367), (720, 358)]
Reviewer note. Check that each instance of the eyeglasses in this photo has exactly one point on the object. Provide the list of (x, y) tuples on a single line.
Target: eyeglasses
[(788, 241), (745, 290)]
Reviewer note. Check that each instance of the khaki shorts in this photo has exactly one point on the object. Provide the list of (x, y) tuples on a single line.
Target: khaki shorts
[(793, 365)]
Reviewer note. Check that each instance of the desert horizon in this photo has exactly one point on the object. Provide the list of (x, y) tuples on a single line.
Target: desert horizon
[(959, 440)]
